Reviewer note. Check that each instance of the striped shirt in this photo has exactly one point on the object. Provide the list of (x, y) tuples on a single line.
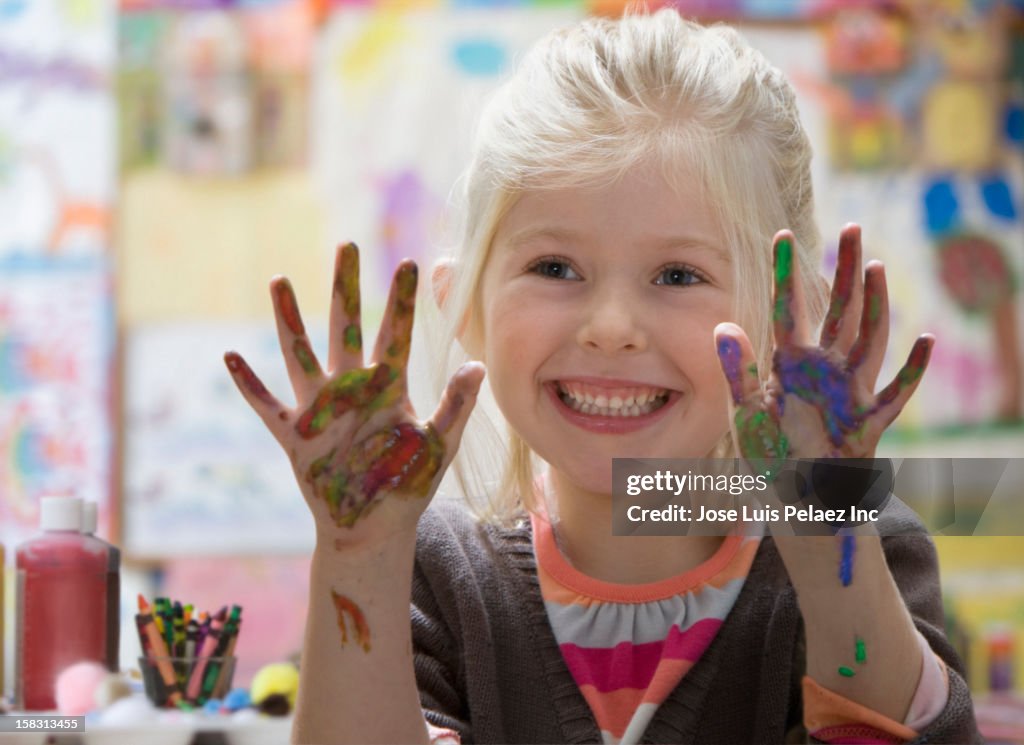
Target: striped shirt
[(628, 646)]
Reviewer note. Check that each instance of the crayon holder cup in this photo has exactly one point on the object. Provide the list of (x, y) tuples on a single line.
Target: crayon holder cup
[(170, 681)]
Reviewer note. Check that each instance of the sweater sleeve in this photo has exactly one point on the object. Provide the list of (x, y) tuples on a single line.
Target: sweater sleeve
[(830, 717), (436, 662), (913, 562)]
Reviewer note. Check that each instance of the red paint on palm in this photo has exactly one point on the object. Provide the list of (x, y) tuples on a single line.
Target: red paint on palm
[(406, 452)]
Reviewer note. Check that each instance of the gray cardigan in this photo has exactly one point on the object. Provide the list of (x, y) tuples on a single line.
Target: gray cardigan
[(488, 666)]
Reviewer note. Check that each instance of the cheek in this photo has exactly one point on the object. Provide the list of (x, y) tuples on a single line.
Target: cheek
[(513, 327)]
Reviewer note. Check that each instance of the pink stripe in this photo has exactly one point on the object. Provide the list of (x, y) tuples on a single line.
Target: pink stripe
[(855, 734), (629, 665)]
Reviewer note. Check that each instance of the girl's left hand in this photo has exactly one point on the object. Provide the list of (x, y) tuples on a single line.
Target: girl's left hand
[(819, 400)]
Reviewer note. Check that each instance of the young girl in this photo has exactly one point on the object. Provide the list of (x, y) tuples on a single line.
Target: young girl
[(614, 275)]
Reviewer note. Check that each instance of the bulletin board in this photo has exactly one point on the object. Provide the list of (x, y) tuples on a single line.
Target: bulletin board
[(395, 89), (205, 478), (57, 332)]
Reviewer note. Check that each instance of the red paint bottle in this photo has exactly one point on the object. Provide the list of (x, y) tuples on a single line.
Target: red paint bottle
[(90, 520), (63, 608)]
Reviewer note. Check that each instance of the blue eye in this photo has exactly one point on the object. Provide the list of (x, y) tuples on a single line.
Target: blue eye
[(554, 269), (678, 276)]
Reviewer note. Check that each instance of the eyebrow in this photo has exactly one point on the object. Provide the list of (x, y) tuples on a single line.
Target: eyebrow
[(518, 240)]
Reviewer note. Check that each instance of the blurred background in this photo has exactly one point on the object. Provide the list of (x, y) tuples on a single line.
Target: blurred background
[(161, 160)]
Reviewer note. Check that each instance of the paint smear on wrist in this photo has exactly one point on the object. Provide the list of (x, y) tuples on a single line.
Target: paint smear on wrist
[(846, 560), (344, 605)]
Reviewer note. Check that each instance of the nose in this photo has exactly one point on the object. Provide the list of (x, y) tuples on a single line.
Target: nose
[(611, 323)]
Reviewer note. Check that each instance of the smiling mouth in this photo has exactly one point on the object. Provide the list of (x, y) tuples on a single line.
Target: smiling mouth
[(625, 402)]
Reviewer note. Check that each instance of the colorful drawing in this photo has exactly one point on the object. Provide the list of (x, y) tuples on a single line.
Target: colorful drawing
[(866, 41), (56, 104), (196, 457), (56, 358)]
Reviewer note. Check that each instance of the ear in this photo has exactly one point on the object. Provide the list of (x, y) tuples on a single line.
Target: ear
[(441, 279)]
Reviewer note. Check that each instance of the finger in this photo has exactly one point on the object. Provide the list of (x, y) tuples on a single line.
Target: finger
[(346, 333), (395, 335), (869, 350), (262, 401), (738, 362), (302, 365), (840, 327), (788, 313), (457, 403), (891, 400)]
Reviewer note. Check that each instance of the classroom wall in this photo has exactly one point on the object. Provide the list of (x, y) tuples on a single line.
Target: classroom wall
[(134, 252)]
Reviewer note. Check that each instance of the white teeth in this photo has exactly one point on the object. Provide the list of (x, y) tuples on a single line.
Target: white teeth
[(615, 406)]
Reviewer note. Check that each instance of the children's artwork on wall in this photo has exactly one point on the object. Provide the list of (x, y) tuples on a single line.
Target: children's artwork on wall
[(867, 48), (867, 40), (215, 88), (56, 366), (961, 112), (959, 126), (396, 96), (202, 476), (192, 249), (56, 125), (57, 334)]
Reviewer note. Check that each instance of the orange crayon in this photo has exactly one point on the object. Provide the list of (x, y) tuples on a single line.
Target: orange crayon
[(158, 649)]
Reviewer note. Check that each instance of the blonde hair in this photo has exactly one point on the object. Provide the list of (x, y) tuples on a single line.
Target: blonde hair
[(589, 103)]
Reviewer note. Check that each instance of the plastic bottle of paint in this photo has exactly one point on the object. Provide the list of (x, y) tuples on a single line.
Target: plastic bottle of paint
[(63, 608), (90, 520)]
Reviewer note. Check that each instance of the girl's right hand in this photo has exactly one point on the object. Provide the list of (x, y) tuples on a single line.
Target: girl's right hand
[(366, 466)]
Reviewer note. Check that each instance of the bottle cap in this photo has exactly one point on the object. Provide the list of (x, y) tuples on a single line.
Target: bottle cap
[(90, 517), (60, 513)]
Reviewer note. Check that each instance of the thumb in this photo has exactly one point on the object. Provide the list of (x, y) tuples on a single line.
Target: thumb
[(457, 403)]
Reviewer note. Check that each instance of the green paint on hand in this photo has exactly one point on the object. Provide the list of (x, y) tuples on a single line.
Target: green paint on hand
[(783, 282), (784, 262), (846, 672), (304, 354), (353, 338), (861, 652), (346, 281)]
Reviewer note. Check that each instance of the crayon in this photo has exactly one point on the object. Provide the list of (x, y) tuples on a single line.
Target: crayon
[(227, 648), (208, 647), (167, 613), (215, 666), (179, 630), (147, 648), (191, 638), (158, 649)]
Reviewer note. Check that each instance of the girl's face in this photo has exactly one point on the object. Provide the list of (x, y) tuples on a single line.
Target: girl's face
[(598, 314)]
